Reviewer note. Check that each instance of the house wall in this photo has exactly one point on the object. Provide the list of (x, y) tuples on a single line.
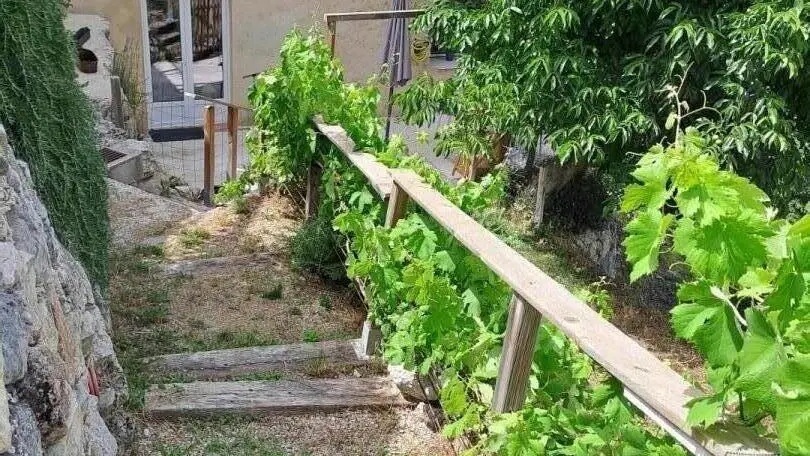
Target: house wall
[(259, 28)]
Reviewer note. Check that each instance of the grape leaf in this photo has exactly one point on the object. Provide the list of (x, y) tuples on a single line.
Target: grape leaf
[(705, 411), (723, 251), (761, 358), (643, 243), (793, 407), (708, 321)]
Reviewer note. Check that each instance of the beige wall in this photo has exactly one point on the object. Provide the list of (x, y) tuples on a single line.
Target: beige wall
[(259, 28), (124, 17)]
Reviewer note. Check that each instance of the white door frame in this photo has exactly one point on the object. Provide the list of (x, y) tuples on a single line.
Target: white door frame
[(186, 56)]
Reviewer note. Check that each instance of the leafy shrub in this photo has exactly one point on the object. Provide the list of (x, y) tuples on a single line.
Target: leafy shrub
[(51, 126), (314, 249)]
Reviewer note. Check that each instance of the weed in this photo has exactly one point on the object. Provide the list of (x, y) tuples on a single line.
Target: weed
[(314, 249), (240, 206), (597, 296), (193, 237), (273, 293), (149, 315), (258, 376), (148, 251), (158, 296), (320, 368), (310, 335), (325, 302)]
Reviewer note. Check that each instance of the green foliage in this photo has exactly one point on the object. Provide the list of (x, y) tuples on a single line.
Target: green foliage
[(50, 125), (439, 306), (747, 306), (314, 248), (589, 75), (273, 293)]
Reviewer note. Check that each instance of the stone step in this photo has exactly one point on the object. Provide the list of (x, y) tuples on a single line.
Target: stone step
[(282, 397), (223, 364), (217, 265)]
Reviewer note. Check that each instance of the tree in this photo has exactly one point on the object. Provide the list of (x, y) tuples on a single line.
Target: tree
[(590, 75)]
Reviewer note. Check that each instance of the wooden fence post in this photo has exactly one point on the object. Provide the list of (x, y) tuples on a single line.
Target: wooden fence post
[(516, 356), (332, 26), (116, 102), (208, 155), (397, 203), (313, 197), (233, 138)]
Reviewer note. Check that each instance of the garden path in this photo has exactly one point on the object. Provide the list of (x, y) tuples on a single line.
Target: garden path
[(229, 349)]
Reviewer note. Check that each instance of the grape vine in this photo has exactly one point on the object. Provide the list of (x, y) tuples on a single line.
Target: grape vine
[(440, 308), (747, 306)]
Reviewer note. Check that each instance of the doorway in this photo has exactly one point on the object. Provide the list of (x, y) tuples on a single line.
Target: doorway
[(186, 52)]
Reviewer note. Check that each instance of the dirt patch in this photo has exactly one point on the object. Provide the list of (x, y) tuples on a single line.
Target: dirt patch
[(262, 224), (351, 433)]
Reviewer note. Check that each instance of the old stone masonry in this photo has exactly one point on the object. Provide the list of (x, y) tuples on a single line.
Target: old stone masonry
[(62, 380)]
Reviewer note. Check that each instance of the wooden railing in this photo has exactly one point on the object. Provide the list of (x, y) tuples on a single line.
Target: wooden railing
[(658, 391)]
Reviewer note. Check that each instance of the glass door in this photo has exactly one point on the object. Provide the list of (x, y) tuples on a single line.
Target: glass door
[(186, 58)]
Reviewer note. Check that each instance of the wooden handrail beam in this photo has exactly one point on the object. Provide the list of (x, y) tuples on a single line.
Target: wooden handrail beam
[(377, 173), (216, 101), (332, 18)]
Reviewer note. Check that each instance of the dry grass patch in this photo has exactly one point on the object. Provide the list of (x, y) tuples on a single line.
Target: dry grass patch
[(394, 432)]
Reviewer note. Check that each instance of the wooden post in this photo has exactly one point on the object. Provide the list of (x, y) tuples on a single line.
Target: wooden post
[(208, 155), (516, 356), (332, 35), (116, 102), (397, 203), (233, 138), (540, 200), (313, 191)]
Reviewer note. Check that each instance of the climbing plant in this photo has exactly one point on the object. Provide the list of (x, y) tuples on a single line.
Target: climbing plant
[(589, 75), (440, 308), (51, 126), (746, 307)]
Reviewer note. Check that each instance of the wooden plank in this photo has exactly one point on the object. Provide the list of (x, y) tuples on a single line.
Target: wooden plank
[(218, 265), (208, 155), (233, 139), (331, 18), (516, 356), (376, 173), (219, 364), (280, 397), (639, 370), (217, 101)]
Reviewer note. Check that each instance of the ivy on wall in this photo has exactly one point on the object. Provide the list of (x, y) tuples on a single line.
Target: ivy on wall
[(51, 126)]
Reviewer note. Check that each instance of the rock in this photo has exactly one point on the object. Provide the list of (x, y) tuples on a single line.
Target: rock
[(431, 417), (5, 424), (52, 325), (409, 385), (26, 438), (16, 331)]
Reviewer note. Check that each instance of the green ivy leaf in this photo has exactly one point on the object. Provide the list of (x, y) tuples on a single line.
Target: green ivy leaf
[(645, 235)]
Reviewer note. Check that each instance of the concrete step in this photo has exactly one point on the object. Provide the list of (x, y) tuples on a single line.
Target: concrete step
[(223, 364), (282, 397)]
